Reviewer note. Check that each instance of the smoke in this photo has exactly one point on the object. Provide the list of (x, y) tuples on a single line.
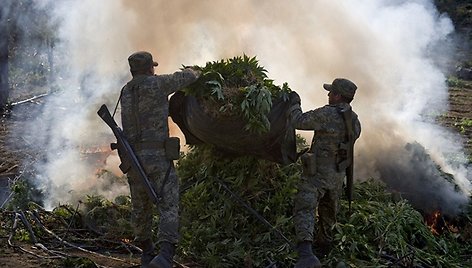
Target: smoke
[(388, 48)]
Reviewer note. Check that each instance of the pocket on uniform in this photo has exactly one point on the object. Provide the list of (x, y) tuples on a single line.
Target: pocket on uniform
[(172, 147), (309, 163)]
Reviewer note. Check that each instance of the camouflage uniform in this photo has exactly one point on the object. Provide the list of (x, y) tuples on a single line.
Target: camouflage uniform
[(144, 103), (322, 189)]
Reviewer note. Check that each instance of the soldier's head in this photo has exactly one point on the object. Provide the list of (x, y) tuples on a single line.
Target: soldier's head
[(341, 90), (141, 62)]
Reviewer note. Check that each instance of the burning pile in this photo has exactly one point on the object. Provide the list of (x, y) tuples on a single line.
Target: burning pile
[(412, 173), (235, 107)]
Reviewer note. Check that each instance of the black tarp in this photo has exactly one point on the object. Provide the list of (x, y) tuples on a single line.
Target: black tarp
[(228, 134)]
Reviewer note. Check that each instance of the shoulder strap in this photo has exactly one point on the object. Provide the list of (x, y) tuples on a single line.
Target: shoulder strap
[(131, 83), (117, 102)]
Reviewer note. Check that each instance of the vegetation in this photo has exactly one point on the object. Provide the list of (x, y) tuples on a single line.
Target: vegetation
[(453, 81), (464, 124), (217, 230), (460, 11), (237, 87)]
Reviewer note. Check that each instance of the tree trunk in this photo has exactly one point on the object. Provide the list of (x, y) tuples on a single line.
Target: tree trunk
[(4, 33)]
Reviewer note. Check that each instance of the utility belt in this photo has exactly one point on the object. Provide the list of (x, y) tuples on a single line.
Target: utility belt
[(149, 145), (311, 161), (171, 146)]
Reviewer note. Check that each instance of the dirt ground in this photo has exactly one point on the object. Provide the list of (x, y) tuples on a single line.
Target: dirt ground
[(14, 257)]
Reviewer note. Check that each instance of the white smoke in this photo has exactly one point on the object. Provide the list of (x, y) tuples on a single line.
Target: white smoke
[(387, 47)]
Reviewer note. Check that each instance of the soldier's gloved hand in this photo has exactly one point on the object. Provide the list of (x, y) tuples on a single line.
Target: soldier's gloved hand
[(196, 72), (294, 98), (295, 109)]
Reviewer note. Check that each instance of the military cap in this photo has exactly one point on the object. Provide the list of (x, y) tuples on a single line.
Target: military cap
[(140, 61), (342, 86)]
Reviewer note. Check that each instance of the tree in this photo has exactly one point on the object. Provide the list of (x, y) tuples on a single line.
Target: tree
[(4, 33)]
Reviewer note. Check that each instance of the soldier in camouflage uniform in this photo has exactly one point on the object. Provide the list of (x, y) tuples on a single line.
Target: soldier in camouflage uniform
[(321, 182), (144, 114)]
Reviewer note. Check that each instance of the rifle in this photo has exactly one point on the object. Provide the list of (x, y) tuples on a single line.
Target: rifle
[(124, 146), (348, 146)]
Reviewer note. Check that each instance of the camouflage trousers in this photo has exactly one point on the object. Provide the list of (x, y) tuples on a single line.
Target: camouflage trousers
[(143, 207), (319, 193)]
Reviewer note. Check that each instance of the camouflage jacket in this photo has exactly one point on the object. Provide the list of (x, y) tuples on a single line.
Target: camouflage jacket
[(145, 105), (329, 129)]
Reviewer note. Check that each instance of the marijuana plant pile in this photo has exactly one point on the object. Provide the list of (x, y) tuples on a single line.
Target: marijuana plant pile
[(237, 108), (217, 229), (382, 229), (238, 87)]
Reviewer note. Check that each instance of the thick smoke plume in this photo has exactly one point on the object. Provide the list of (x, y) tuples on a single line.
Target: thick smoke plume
[(389, 48)]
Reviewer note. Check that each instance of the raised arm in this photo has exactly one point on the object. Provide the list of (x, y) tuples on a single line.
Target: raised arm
[(310, 120), (180, 79)]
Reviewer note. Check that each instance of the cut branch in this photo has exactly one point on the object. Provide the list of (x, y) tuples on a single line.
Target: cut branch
[(29, 99), (72, 245)]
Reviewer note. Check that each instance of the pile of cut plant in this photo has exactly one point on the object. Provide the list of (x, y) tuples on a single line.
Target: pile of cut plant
[(238, 109), (238, 87), (382, 230)]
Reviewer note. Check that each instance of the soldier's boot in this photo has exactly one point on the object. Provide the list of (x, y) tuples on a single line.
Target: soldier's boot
[(306, 258), (165, 257), (148, 252)]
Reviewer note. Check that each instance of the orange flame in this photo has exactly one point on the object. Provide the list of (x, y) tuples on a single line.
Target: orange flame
[(438, 224), (433, 222)]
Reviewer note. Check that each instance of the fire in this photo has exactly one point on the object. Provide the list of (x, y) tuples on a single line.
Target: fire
[(95, 155), (101, 158), (438, 224), (126, 240), (96, 149), (433, 222)]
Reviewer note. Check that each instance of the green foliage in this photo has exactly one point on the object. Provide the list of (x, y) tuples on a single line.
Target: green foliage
[(238, 87), (217, 231), (460, 11), (112, 219), (380, 230), (20, 197), (383, 230), (453, 81), (78, 262), (255, 107), (464, 124), (23, 193)]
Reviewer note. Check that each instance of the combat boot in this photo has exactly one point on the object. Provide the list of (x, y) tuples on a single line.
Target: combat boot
[(148, 252), (306, 258), (165, 257)]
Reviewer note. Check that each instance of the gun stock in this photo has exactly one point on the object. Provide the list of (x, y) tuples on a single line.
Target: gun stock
[(128, 151)]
